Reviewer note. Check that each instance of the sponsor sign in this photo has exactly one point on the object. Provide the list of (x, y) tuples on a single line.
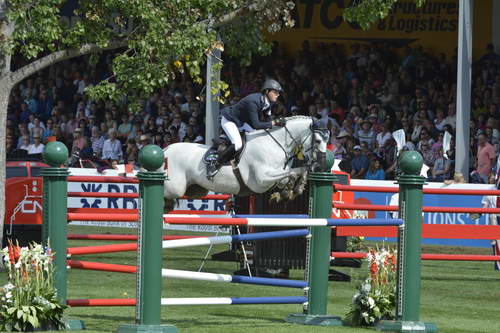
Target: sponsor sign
[(434, 26)]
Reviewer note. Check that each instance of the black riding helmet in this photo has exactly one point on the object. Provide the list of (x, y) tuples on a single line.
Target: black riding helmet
[(271, 84)]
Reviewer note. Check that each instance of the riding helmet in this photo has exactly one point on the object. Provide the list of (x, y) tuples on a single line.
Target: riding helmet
[(271, 84)]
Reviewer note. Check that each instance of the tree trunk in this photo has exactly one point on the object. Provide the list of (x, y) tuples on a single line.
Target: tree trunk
[(6, 29), (5, 87)]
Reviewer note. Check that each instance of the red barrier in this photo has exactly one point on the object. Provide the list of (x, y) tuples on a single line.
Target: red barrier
[(102, 195), (98, 266), (197, 212), (102, 249), (102, 179), (207, 221), (211, 197), (425, 256), (114, 237), (382, 189), (430, 209), (101, 302), (446, 231), (102, 217)]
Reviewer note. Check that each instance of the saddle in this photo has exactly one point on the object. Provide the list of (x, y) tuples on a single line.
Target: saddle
[(210, 158)]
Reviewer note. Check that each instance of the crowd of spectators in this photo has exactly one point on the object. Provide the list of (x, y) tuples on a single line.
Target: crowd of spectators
[(362, 93)]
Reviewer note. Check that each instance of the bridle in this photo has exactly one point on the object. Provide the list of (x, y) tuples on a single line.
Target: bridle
[(308, 162)]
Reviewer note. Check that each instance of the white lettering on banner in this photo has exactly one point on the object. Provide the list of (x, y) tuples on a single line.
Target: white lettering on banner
[(30, 207), (453, 218), (133, 225)]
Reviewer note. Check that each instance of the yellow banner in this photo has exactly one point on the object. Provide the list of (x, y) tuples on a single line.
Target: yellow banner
[(434, 26)]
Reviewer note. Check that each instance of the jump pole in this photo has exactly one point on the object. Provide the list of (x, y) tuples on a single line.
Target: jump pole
[(318, 250), (55, 188), (149, 259), (409, 249)]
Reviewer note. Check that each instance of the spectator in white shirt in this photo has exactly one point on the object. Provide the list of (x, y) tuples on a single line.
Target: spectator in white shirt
[(112, 148), (37, 146)]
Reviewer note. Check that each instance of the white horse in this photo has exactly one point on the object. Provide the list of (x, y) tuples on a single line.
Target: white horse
[(265, 162)]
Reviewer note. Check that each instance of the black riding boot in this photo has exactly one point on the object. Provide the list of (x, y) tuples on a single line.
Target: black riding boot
[(226, 155)]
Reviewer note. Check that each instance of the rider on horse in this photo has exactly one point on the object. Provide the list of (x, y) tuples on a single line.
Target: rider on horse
[(244, 115)]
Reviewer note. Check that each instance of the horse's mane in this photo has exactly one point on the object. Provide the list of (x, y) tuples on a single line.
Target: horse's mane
[(299, 117)]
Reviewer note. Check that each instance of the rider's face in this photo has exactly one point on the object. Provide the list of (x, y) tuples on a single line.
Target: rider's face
[(273, 95)]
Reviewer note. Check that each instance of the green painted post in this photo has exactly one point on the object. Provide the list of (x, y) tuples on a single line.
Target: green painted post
[(318, 251), (409, 249), (55, 189), (149, 251), (55, 209)]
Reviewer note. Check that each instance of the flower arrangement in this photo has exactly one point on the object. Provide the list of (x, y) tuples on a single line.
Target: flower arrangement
[(376, 296), (28, 301)]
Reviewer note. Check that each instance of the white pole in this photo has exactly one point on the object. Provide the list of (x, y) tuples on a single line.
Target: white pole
[(211, 103), (200, 276), (464, 72)]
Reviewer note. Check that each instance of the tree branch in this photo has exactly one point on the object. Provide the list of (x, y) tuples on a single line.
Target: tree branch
[(59, 56), (234, 14)]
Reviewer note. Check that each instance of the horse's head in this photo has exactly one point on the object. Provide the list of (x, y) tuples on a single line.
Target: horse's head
[(320, 136)]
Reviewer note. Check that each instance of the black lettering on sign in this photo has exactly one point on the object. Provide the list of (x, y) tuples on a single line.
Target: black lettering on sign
[(309, 12), (113, 202), (219, 205), (126, 201), (325, 20), (453, 25), (91, 187), (452, 8)]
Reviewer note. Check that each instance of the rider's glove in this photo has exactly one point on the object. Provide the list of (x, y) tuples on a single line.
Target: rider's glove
[(281, 122)]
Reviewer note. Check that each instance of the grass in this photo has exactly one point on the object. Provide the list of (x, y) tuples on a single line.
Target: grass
[(457, 296)]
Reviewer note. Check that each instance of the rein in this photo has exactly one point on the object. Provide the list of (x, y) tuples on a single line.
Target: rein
[(288, 158)]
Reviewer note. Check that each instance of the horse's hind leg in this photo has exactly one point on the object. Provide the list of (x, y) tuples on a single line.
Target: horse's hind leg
[(169, 205), (196, 191)]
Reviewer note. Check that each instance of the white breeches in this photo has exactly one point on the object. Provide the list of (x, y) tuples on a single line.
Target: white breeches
[(232, 133)]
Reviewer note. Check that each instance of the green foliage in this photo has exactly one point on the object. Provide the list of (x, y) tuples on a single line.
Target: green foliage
[(160, 39), (367, 12)]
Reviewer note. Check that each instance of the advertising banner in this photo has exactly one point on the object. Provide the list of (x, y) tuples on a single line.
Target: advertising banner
[(434, 26), (436, 200)]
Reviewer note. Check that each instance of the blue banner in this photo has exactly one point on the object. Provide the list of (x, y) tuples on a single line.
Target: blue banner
[(440, 200)]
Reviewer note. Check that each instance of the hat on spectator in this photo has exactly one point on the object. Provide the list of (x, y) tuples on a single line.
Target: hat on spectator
[(143, 137), (178, 94), (366, 121), (357, 147), (343, 133)]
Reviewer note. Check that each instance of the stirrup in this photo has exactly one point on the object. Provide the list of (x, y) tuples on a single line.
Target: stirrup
[(212, 169)]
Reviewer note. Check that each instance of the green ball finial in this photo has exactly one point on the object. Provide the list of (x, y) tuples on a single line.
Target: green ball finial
[(151, 157), (55, 153), (411, 162), (330, 159)]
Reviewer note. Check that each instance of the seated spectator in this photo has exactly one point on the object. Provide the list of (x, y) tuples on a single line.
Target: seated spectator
[(25, 143), (366, 134), (427, 154), (441, 168), (360, 163), (112, 148), (375, 170), (79, 141), (96, 141), (36, 147)]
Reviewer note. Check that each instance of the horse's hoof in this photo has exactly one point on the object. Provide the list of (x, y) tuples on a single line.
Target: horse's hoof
[(275, 197)]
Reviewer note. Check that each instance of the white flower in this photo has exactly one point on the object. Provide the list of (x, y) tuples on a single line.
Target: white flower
[(8, 295), (9, 286), (371, 302)]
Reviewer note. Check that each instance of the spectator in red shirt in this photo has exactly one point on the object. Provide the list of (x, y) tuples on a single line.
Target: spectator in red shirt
[(485, 159)]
